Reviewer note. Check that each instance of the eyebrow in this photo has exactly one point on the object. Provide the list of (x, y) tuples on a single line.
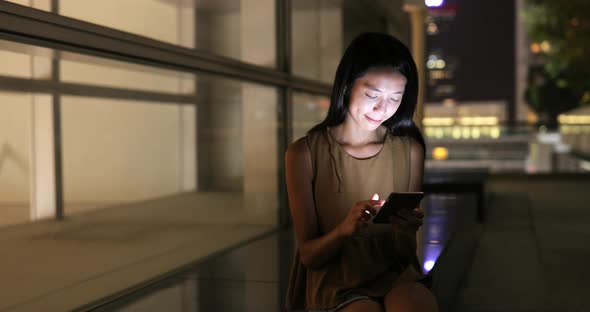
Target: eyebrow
[(370, 86)]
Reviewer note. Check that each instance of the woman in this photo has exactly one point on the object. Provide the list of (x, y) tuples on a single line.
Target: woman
[(368, 146)]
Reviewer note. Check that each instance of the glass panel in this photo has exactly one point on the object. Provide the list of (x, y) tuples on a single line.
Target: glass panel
[(44, 5), (77, 68), (308, 111), (21, 130), (15, 167), (24, 61), (117, 152), (317, 38), (237, 143), (239, 29), (323, 29)]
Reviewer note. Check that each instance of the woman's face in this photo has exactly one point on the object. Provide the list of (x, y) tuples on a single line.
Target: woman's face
[(375, 97)]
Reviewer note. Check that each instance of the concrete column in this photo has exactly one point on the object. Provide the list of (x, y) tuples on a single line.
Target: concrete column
[(417, 15)]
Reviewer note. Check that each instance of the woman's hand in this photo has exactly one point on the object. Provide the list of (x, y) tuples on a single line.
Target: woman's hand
[(359, 215), (405, 224), (407, 221)]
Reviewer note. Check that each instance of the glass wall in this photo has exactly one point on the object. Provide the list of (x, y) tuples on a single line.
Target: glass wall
[(207, 133), (238, 29), (134, 133), (308, 111), (317, 38), (19, 158), (15, 157)]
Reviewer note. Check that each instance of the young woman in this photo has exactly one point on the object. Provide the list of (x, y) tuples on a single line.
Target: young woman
[(367, 147)]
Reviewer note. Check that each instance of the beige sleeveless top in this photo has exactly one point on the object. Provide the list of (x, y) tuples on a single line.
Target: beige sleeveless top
[(367, 264)]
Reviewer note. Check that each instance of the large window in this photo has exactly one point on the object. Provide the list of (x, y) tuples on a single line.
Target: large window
[(15, 157), (164, 102), (239, 29), (134, 133), (308, 111), (317, 38)]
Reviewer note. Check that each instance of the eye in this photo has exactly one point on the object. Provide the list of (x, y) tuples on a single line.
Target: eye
[(395, 100), (372, 97)]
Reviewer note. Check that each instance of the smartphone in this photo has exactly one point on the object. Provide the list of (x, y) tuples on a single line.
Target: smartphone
[(395, 202)]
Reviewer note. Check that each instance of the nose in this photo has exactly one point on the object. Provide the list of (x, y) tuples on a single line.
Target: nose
[(379, 106)]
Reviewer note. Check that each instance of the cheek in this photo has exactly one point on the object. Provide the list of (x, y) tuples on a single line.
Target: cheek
[(360, 105), (392, 109)]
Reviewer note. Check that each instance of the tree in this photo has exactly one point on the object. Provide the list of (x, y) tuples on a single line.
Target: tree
[(560, 32)]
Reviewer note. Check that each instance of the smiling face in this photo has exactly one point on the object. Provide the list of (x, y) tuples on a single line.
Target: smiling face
[(375, 97)]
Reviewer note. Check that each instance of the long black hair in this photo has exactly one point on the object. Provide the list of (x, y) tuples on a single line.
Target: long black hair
[(374, 51)]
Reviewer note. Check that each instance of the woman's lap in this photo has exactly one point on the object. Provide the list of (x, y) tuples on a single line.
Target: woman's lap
[(351, 298), (411, 297), (405, 297)]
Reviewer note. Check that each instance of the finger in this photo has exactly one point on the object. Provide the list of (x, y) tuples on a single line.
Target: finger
[(418, 212), (366, 215), (371, 210)]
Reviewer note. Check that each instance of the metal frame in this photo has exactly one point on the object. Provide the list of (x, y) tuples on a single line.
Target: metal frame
[(32, 26), (57, 138), (76, 89), (284, 61)]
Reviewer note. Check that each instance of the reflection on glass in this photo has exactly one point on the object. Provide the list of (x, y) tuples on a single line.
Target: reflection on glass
[(23, 155), (308, 111), (440, 221), (24, 61), (90, 70), (208, 155), (239, 29), (237, 145), (318, 38), (15, 155), (44, 5), (119, 151)]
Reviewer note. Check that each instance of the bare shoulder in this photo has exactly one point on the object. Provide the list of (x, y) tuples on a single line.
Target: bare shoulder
[(415, 147), (413, 144), (297, 149), (298, 155)]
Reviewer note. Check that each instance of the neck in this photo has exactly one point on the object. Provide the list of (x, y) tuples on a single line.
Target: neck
[(350, 134)]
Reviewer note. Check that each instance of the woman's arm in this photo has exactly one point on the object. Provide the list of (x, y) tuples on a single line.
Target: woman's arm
[(315, 250)]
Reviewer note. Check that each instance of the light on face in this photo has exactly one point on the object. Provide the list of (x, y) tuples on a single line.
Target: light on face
[(433, 3)]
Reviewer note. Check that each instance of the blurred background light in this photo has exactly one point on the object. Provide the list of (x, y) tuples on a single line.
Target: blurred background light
[(433, 3), (440, 153)]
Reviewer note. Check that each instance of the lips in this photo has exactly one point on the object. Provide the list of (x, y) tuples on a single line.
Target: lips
[(371, 120)]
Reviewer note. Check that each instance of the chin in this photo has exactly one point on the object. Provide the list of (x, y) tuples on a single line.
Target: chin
[(372, 127)]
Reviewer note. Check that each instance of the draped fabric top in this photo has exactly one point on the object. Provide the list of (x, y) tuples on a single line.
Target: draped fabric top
[(368, 262)]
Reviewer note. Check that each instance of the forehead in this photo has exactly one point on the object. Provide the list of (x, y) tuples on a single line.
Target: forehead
[(383, 79)]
